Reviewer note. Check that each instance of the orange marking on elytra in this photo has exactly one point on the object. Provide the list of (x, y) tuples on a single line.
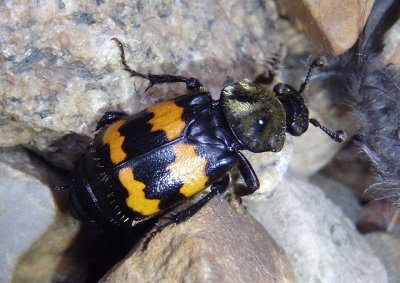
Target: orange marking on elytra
[(136, 199), (168, 118), (189, 168), (113, 138)]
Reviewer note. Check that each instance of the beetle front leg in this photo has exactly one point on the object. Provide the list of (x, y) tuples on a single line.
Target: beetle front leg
[(249, 176), (110, 117), (185, 214), (192, 84)]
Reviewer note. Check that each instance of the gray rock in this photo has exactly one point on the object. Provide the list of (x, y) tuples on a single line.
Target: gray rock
[(387, 247), (341, 195), (270, 168), (312, 151), (26, 211), (34, 230), (321, 242), (215, 245)]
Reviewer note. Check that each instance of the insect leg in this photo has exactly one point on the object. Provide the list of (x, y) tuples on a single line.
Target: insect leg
[(188, 212), (192, 84), (249, 176)]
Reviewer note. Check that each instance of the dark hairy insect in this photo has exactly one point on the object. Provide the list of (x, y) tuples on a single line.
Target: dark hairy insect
[(138, 167)]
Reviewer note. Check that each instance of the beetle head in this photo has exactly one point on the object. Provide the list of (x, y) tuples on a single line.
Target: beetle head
[(259, 117), (297, 115)]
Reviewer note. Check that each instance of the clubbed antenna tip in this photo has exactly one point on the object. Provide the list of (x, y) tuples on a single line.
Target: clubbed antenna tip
[(338, 136)]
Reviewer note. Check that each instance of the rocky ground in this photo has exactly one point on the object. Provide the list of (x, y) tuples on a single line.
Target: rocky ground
[(60, 71)]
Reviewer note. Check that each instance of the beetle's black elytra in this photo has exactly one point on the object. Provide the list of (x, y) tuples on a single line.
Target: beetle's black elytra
[(139, 166)]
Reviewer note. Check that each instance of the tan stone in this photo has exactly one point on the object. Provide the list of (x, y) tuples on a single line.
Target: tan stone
[(215, 245), (334, 25), (391, 51)]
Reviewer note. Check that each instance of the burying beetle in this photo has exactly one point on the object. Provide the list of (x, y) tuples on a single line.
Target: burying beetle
[(139, 166)]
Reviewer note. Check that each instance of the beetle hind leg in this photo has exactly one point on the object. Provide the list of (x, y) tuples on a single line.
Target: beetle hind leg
[(193, 85), (185, 214)]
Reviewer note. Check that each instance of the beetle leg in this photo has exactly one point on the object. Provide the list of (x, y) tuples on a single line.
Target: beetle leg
[(192, 84), (233, 197), (188, 212), (216, 189), (273, 67), (110, 117), (249, 176)]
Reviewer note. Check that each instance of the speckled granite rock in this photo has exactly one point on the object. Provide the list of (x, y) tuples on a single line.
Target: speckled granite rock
[(321, 243), (215, 245), (59, 70)]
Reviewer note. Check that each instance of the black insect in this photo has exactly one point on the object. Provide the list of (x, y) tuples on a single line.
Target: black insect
[(139, 166)]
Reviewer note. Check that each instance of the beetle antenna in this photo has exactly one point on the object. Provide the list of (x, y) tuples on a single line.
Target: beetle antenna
[(337, 136), (317, 63)]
